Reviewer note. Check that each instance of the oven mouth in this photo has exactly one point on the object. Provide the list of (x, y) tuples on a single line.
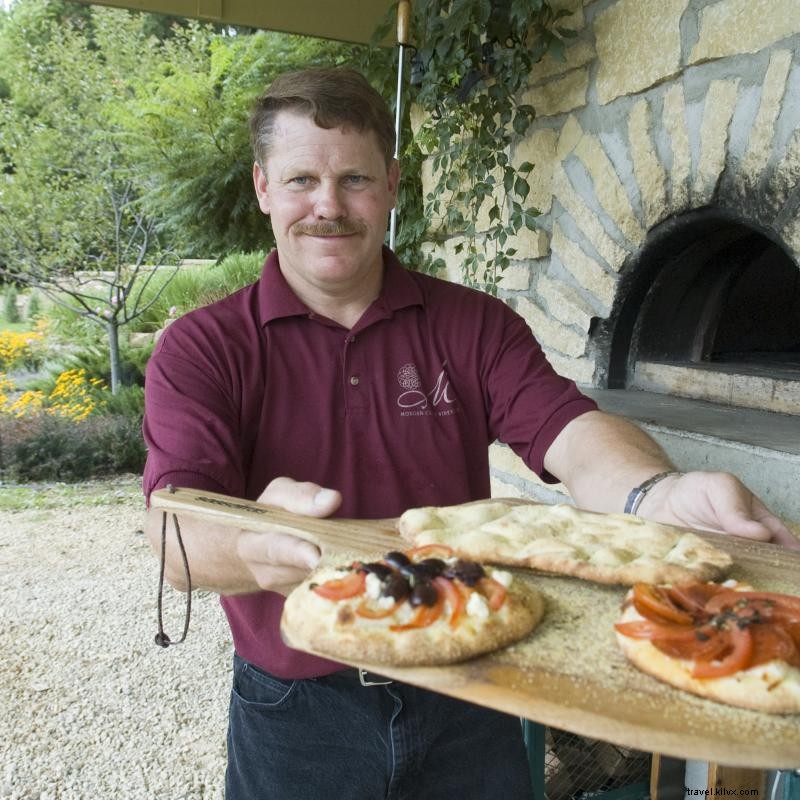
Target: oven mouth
[(707, 303)]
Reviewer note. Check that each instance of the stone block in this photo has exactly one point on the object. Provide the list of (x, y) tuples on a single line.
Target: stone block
[(503, 458), (759, 141), (682, 381), (548, 331), (790, 233), (539, 148), (530, 244), (651, 177), (608, 188), (586, 270), (581, 370), (586, 220), (565, 303), (558, 96), (757, 24), (576, 20), (575, 55), (786, 398), (516, 278), (717, 113), (638, 45), (571, 134), (785, 177), (500, 488), (674, 122)]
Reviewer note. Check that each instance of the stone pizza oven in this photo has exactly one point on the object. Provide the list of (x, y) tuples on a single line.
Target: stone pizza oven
[(665, 279)]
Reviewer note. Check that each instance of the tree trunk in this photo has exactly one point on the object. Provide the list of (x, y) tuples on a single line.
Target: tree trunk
[(112, 329)]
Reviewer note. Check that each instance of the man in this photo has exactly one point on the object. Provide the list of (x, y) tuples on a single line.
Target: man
[(343, 384)]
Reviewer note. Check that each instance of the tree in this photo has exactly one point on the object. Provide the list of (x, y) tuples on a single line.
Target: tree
[(68, 205), (187, 129)]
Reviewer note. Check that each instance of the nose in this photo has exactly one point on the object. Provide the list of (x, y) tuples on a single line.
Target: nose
[(328, 202)]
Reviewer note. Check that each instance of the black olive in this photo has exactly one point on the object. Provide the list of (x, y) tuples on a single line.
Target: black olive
[(396, 587), (397, 559), (468, 572), (430, 568), (376, 568), (423, 594)]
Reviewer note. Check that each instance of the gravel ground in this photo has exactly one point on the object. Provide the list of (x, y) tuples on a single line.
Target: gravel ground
[(90, 708)]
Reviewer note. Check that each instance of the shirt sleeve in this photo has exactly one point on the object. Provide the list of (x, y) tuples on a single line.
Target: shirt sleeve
[(529, 403), (191, 421)]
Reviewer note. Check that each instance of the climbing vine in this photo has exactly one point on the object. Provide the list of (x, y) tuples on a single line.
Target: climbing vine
[(469, 72)]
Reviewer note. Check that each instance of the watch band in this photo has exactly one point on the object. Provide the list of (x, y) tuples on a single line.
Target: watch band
[(639, 493)]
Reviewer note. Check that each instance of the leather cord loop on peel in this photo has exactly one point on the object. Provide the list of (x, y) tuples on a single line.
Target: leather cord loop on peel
[(161, 638)]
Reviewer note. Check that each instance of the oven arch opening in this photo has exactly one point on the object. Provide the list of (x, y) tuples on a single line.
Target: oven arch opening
[(708, 292)]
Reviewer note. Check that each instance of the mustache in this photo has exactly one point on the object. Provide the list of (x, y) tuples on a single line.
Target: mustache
[(331, 228)]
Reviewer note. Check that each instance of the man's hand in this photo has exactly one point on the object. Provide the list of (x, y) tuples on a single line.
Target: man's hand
[(715, 501), (600, 458), (231, 560), (279, 561)]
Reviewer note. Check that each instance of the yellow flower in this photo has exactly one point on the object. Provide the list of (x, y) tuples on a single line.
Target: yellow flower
[(74, 396)]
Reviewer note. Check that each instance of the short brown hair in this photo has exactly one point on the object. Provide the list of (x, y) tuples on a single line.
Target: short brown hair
[(337, 97)]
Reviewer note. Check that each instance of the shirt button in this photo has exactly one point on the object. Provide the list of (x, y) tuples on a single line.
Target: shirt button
[(354, 380)]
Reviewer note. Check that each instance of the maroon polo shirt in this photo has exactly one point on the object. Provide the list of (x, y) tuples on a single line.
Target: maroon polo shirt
[(397, 412)]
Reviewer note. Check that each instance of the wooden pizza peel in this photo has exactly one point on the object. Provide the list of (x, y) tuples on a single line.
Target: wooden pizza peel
[(569, 673)]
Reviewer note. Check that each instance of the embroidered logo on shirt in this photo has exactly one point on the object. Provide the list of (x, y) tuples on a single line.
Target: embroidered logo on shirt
[(415, 402)]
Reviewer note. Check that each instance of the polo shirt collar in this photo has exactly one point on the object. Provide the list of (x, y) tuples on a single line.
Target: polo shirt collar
[(277, 300)]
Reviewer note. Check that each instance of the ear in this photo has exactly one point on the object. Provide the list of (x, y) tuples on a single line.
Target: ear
[(262, 188), (394, 180)]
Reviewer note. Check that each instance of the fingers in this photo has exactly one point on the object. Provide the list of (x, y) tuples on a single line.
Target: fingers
[(736, 510), (276, 558), (301, 497)]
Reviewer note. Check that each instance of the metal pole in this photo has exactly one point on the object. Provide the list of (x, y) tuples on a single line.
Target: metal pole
[(403, 20)]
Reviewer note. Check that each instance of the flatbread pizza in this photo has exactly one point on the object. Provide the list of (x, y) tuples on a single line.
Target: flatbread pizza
[(424, 606), (606, 548), (725, 642)]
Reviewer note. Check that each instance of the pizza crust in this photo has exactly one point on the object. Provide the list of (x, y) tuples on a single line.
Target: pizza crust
[(605, 548), (773, 687), (331, 628)]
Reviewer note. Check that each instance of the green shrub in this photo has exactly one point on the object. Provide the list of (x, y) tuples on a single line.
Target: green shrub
[(47, 448), (127, 402), (34, 308), (94, 359), (10, 310), (193, 287)]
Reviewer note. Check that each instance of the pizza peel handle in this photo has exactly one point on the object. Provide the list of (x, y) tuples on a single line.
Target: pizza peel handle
[(330, 535)]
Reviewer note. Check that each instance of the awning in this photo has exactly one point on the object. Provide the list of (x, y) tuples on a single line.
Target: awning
[(353, 21)]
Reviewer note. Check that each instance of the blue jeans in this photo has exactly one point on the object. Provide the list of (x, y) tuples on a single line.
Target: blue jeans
[(333, 739)]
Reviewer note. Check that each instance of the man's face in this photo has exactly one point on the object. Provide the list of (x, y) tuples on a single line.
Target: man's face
[(329, 194)]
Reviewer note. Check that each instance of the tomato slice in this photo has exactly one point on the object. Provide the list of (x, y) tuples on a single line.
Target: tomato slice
[(737, 658), (350, 585), (773, 642), (428, 550), (692, 597), (656, 631), (494, 592), (370, 611), (654, 603), (453, 596), (770, 605), (424, 615)]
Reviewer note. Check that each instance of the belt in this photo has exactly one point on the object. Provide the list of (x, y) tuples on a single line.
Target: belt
[(365, 677)]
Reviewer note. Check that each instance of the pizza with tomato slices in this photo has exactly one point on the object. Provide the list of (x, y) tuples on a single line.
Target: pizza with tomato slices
[(726, 642), (605, 548), (418, 607)]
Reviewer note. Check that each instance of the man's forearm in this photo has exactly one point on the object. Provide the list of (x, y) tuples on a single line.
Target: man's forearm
[(600, 458), (211, 552)]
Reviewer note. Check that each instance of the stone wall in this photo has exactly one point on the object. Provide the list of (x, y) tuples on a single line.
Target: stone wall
[(660, 107)]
